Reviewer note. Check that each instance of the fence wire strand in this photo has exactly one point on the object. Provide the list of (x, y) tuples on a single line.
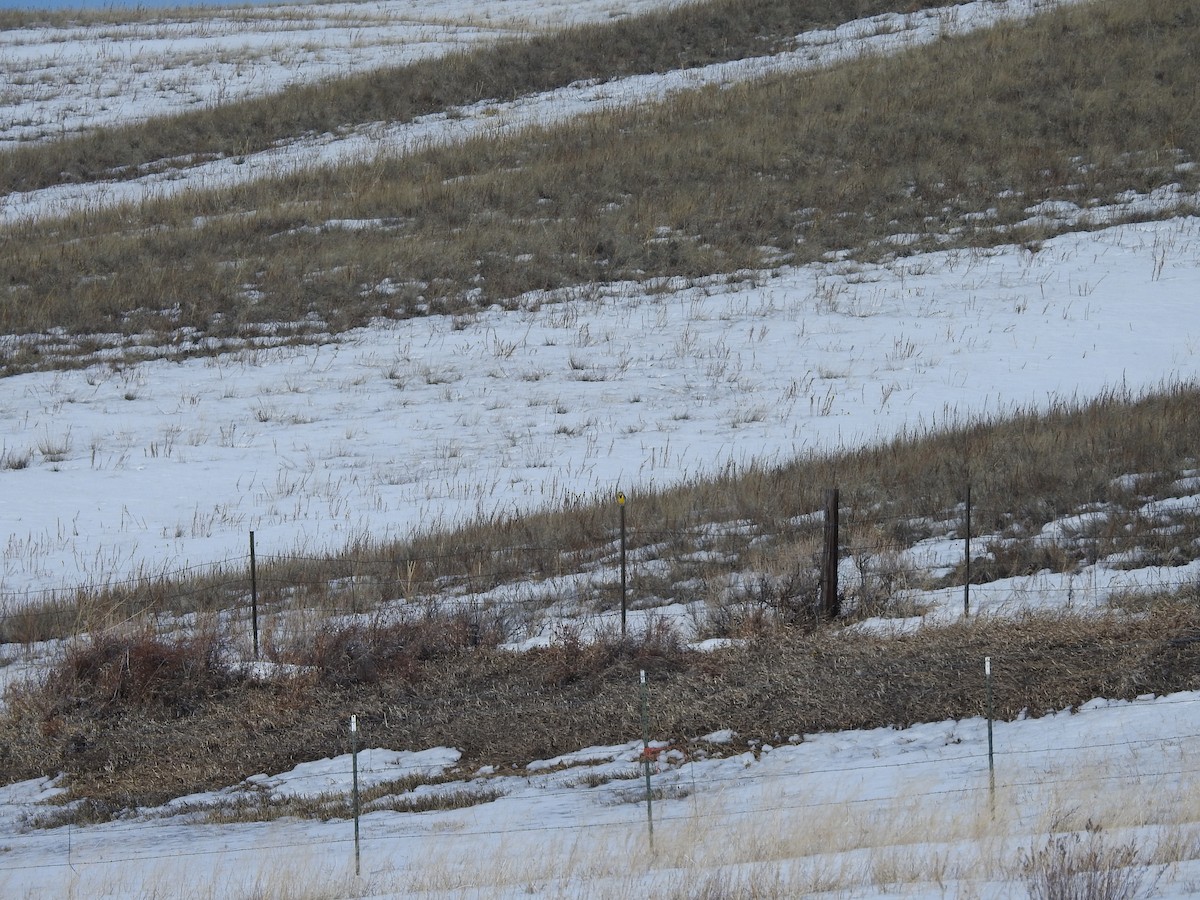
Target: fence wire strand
[(636, 821)]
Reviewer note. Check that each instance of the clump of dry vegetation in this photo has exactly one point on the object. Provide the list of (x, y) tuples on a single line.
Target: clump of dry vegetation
[(1089, 866), (394, 651), (143, 670), (503, 707)]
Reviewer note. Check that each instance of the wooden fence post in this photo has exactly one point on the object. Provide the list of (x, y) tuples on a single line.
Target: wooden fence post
[(253, 595), (830, 604)]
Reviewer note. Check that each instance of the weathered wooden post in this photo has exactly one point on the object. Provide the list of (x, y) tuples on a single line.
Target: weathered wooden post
[(253, 595), (830, 605)]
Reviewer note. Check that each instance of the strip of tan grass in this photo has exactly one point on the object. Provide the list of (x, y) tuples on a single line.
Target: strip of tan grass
[(1079, 105), (1024, 471), (690, 35)]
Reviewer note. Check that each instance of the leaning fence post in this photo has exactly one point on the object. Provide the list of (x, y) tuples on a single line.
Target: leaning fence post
[(830, 605)]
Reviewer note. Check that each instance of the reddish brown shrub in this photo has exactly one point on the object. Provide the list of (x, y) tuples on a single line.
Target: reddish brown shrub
[(144, 669)]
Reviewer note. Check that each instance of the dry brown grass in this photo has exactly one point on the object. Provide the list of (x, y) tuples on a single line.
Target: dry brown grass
[(690, 35), (1024, 471), (503, 707), (263, 807), (377, 651), (92, 608), (57, 18), (1079, 105), (1087, 866), (137, 670)]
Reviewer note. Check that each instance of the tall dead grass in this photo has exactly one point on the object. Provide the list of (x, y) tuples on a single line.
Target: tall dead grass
[(709, 849)]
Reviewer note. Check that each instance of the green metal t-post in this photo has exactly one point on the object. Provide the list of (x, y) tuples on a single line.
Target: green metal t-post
[(987, 672), (646, 759), (354, 770), (621, 505)]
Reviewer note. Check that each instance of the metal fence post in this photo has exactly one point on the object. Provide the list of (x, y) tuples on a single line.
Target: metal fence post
[(967, 559), (624, 601)]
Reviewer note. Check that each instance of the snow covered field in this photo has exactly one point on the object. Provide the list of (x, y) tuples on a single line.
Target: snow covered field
[(124, 468), (887, 813), (162, 465), (194, 75), (59, 80)]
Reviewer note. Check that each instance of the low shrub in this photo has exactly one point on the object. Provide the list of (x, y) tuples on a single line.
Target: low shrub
[(143, 669), (368, 652)]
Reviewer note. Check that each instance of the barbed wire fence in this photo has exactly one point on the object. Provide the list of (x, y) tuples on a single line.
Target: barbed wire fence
[(502, 576), (1135, 761), (836, 556)]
